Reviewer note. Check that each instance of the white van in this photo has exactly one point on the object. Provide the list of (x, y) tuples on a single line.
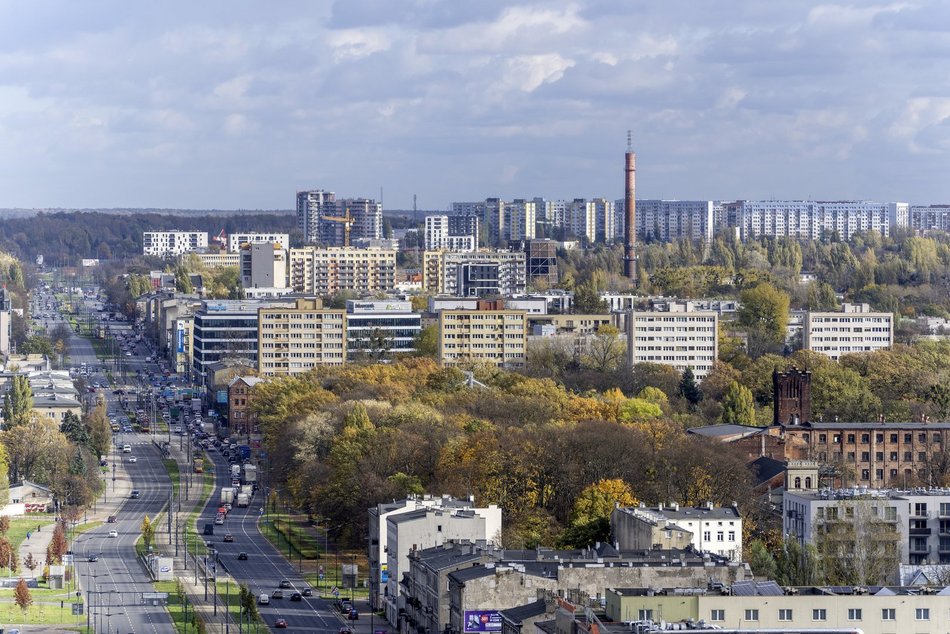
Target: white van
[(126, 448), (264, 599)]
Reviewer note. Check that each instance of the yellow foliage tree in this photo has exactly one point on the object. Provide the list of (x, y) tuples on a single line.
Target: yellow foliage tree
[(597, 500)]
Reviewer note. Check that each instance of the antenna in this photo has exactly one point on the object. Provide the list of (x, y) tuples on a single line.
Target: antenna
[(630, 140)]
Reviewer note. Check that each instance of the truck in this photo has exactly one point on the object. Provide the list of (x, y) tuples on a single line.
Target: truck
[(227, 495), (243, 499), (196, 405), (250, 474), (235, 471), (248, 490), (244, 452)]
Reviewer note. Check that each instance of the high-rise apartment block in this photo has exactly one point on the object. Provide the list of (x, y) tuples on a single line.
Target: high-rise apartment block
[(854, 329), (439, 235), (235, 240), (519, 219), (165, 244), (581, 220), (678, 338), (491, 336), (930, 218), (672, 220), (295, 339), (474, 274), (328, 271), (814, 220), (322, 218)]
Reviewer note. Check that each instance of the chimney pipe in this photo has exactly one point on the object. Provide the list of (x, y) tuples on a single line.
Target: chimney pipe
[(630, 212)]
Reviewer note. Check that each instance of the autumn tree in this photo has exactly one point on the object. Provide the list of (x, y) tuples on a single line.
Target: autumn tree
[(8, 555), (855, 546), (763, 313), (18, 402), (30, 563), (99, 430), (605, 350), (4, 524), (738, 406), (22, 595), (148, 532), (590, 521)]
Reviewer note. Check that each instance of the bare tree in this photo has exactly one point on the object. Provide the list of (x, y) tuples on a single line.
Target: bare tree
[(858, 541)]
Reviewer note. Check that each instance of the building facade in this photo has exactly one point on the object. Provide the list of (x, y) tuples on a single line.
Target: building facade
[(672, 220), (815, 220), (312, 205), (494, 337), (166, 244), (687, 339), (381, 329), (241, 417), (439, 234), (328, 271), (855, 329), (930, 218), (263, 265), (709, 528), (472, 274), (296, 338), (227, 329), (235, 240)]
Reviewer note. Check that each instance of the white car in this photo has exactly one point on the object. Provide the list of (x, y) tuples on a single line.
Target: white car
[(133, 459), (113, 533), (126, 448)]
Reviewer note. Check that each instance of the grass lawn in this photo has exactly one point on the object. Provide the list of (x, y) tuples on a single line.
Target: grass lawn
[(38, 613), (176, 605), (20, 526), (173, 473), (88, 526)]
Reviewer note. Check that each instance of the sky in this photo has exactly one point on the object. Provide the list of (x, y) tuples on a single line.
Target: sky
[(233, 104)]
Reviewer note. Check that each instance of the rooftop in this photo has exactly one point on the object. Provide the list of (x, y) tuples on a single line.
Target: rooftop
[(864, 493)]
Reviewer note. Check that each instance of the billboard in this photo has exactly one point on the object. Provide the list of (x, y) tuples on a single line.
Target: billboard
[(482, 621), (384, 573), (181, 340)]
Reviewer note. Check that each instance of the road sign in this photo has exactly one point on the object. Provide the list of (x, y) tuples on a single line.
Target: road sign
[(68, 560), (335, 592), (77, 609), (151, 596)]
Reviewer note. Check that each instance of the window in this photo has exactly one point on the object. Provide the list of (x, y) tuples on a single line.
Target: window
[(922, 614), (850, 437), (808, 482), (732, 536), (893, 437), (752, 615), (707, 536), (717, 615), (888, 614), (798, 482), (819, 614), (854, 614), (785, 614), (644, 615)]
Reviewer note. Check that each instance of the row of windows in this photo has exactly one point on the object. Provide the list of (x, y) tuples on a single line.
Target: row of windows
[(878, 437), (817, 614)]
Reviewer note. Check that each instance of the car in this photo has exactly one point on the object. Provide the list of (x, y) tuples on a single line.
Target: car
[(93, 557), (126, 448), (128, 354), (280, 624), (284, 583), (219, 520), (308, 592), (113, 533), (112, 519), (277, 594), (209, 529), (296, 596), (135, 494), (353, 615), (242, 556), (229, 538), (133, 459), (264, 599)]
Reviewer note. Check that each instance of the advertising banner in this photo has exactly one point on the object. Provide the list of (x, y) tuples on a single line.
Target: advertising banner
[(482, 621)]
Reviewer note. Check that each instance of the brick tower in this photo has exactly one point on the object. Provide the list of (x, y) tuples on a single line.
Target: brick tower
[(791, 393)]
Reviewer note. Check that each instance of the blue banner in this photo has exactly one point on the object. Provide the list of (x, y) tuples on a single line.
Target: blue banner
[(482, 621), (181, 340)]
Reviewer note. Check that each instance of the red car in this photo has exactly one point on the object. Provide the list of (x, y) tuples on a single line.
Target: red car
[(280, 623)]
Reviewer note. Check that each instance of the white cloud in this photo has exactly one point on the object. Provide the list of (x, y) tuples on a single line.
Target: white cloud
[(528, 72), (356, 44)]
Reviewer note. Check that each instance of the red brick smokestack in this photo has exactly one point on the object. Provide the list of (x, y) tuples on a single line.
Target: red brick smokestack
[(630, 212)]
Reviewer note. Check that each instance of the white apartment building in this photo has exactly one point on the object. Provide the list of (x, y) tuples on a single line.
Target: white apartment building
[(263, 265), (551, 212), (490, 337), (165, 244), (582, 219), (438, 236), (461, 274), (324, 272), (217, 259), (672, 220), (854, 329), (367, 215), (606, 230), (312, 205), (930, 217), (235, 240), (714, 529), (678, 338), (812, 220), (295, 339), (385, 556), (519, 219)]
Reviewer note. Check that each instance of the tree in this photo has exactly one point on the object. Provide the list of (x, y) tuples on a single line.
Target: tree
[(148, 532), (761, 561), (857, 543), (100, 431), (796, 565), (4, 525), (738, 406), (689, 389), (427, 342), (763, 312), (74, 430), (597, 500), (587, 301), (22, 595), (30, 562), (18, 402), (8, 555), (183, 281), (605, 351)]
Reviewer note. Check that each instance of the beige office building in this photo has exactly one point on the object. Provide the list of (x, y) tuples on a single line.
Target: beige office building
[(216, 259), (329, 271), (294, 340), (681, 339), (495, 337), (854, 329)]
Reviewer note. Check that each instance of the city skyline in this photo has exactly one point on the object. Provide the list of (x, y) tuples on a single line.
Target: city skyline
[(237, 105)]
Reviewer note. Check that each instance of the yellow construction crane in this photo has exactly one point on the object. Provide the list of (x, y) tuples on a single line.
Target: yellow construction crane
[(347, 221)]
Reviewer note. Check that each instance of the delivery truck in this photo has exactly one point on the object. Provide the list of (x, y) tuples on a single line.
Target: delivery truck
[(243, 499), (227, 495)]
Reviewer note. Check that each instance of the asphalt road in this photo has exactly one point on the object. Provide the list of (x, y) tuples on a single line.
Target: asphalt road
[(264, 568), (116, 581)]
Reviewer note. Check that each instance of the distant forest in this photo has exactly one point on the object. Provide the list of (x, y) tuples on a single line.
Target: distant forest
[(63, 238)]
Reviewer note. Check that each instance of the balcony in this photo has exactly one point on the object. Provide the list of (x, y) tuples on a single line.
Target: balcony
[(919, 549), (919, 531)]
